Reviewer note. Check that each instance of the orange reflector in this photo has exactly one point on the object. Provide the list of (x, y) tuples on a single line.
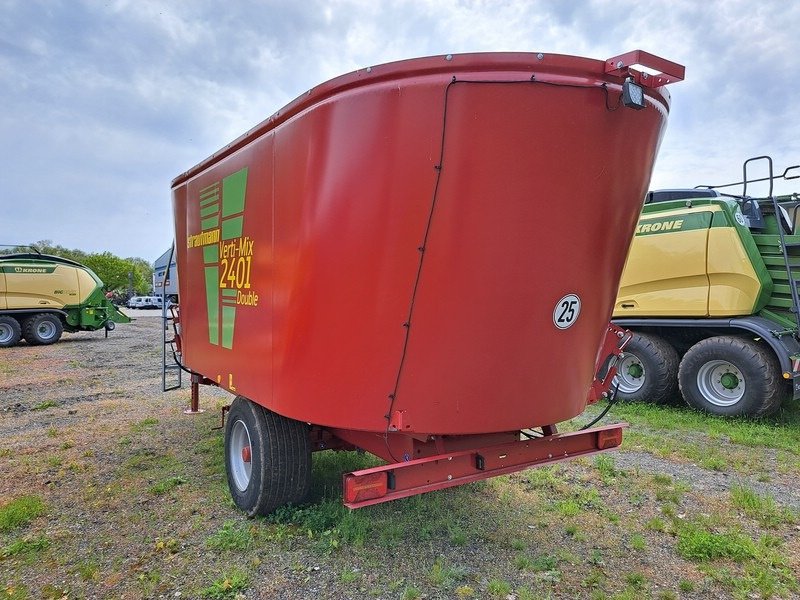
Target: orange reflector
[(610, 438), (247, 455), (364, 487)]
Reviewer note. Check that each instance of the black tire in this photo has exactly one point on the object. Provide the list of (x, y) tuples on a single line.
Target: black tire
[(42, 329), (732, 376), (10, 331), (648, 370), (279, 470), (110, 325)]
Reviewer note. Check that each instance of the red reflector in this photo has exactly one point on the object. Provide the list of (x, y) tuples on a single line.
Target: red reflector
[(364, 487), (610, 438)]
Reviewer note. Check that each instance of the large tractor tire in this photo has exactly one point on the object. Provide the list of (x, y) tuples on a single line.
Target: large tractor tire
[(732, 376), (648, 371), (267, 458), (42, 329), (10, 331)]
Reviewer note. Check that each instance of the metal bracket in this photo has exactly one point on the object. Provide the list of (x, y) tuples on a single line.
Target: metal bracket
[(669, 72)]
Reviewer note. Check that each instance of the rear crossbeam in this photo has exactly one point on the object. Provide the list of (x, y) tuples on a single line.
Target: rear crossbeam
[(400, 480)]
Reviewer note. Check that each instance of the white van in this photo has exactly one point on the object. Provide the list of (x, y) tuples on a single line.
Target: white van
[(145, 302)]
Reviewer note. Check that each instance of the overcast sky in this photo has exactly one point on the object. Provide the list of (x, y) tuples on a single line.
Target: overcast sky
[(102, 104)]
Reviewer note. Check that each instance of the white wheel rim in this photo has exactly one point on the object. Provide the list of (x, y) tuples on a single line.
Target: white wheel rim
[(629, 382), (239, 450), (6, 333), (721, 383), (46, 330)]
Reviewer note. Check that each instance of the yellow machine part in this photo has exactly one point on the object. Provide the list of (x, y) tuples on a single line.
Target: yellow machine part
[(52, 286), (679, 265)]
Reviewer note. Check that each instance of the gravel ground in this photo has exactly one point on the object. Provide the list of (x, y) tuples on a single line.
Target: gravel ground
[(134, 491)]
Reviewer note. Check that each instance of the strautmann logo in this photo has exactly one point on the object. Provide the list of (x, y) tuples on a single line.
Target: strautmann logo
[(227, 255)]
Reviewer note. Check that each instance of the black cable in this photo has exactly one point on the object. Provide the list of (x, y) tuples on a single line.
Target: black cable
[(612, 400)]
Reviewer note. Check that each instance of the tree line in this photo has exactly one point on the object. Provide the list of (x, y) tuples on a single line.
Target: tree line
[(120, 275)]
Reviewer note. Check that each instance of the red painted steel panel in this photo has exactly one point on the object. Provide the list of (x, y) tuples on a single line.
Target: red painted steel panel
[(322, 211)]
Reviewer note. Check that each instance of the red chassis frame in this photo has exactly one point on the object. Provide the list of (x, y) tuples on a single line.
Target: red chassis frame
[(402, 479)]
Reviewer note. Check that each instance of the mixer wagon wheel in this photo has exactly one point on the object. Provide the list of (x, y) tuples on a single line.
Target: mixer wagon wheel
[(267, 458), (648, 370), (731, 376), (42, 328), (10, 331)]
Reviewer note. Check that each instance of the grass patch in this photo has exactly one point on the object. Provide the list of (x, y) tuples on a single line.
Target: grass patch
[(232, 536), (28, 547), (227, 586), (444, 515), (763, 509), (166, 485), (698, 544), (544, 563), (20, 512), (443, 576), (498, 588), (606, 467), (781, 431), (144, 424), (44, 405)]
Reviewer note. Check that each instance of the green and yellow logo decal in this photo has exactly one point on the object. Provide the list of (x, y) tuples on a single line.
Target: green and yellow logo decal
[(27, 269), (227, 255), (685, 222)]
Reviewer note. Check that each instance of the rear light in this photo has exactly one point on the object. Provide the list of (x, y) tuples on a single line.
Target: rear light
[(358, 488), (610, 438)]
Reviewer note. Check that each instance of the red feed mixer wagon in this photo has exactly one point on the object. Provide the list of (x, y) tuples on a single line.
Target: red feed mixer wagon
[(418, 259)]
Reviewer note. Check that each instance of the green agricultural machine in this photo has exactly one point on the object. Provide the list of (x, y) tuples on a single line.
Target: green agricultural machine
[(710, 291), (41, 296)]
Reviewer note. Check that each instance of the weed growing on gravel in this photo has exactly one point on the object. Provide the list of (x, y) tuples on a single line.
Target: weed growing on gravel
[(636, 580), (20, 512), (638, 542), (524, 593), (498, 588), (697, 543), (442, 575), (88, 570), (411, 593), (232, 536), (45, 405), (544, 562), (349, 576), (465, 591), (166, 485), (763, 509), (14, 591), (656, 524), (144, 424), (227, 586), (606, 466), (27, 547), (458, 537), (522, 562)]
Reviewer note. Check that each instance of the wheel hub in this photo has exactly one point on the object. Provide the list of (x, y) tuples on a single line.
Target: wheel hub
[(721, 383), (240, 455), (630, 374), (729, 381), (635, 371)]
